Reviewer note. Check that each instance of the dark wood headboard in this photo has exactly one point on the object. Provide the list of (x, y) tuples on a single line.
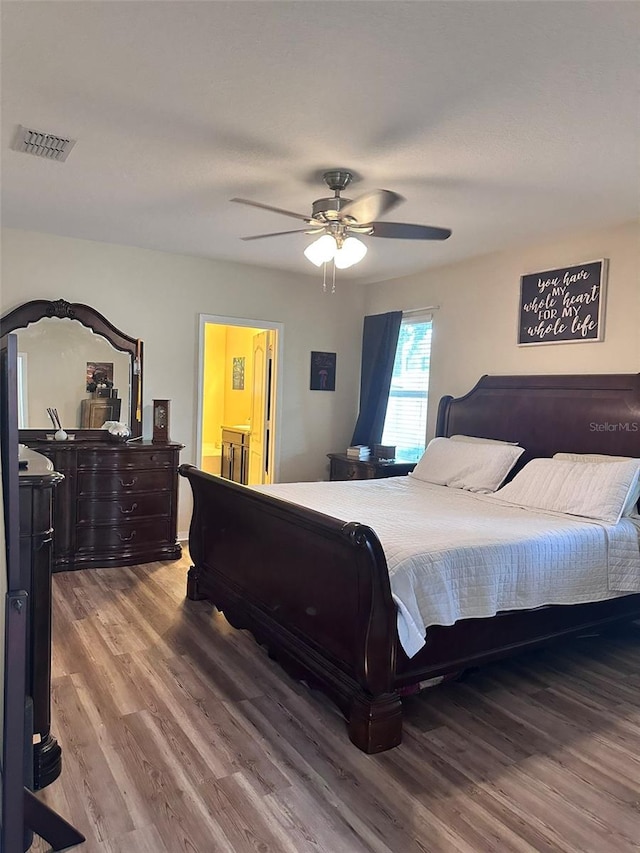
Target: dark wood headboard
[(591, 413)]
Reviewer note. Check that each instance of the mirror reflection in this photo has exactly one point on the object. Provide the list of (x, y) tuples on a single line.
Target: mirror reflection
[(66, 366)]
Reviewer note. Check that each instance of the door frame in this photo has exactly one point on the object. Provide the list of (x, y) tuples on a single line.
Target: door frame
[(219, 320)]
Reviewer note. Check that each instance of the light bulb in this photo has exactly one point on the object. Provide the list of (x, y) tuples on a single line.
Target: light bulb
[(321, 250), (352, 251)]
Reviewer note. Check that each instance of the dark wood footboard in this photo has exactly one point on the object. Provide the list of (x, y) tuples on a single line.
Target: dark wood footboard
[(314, 590)]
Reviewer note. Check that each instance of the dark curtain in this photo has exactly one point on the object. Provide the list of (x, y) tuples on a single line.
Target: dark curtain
[(379, 342)]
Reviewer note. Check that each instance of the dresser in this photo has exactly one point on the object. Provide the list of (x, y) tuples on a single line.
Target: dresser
[(117, 504), (38, 484), (343, 467)]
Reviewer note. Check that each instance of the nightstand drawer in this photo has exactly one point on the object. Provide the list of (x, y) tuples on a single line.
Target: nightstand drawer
[(344, 468), (353, 470)]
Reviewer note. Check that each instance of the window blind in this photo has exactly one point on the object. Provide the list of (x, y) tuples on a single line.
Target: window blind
[(406, 419)]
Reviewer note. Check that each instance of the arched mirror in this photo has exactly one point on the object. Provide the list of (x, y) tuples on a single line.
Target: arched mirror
[(73, 360)]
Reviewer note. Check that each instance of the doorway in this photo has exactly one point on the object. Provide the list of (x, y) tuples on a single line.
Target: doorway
[(238, 398)]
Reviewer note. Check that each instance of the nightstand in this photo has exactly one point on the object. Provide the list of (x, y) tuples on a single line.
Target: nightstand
[(343, 467)]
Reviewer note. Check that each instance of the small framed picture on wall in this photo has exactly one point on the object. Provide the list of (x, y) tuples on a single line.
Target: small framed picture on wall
[(237, 380), (323, 371)]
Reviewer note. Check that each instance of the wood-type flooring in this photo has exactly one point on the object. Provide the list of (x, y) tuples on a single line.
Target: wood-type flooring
[(180, 734)]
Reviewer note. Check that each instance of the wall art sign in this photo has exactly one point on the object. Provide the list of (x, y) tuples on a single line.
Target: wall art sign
[(323, 371), (237, 380), (562, 306)]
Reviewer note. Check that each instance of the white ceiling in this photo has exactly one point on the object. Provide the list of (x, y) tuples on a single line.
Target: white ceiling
[(505, 121)]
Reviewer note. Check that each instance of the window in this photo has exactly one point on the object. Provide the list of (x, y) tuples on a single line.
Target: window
[(405, 424)]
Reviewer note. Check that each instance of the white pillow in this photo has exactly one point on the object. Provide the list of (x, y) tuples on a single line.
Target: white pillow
[(634, 496), (475, 466), (588, 489), (594, 457), (472, 439)]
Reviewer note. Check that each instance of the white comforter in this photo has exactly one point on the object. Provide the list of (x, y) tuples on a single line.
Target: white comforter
[(456, 555)]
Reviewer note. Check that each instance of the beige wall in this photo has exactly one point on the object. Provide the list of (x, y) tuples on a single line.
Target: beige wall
[(476, 323), (157, 296)]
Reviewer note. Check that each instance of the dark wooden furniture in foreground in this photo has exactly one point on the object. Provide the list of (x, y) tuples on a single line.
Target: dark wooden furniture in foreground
[(315, 590), (26, 626), (118, 504), (343, 467), (37, 484)]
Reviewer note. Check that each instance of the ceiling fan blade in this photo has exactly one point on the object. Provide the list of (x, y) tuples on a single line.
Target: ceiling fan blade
[(369, 206), (280, 233), (274, 209), (403, 231)]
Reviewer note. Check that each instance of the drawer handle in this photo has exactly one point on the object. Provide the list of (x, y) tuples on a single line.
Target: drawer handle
[(126, 538), (127, 511), (128, 485)]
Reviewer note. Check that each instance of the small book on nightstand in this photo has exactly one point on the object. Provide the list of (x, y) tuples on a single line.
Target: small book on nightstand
[(359, 451)]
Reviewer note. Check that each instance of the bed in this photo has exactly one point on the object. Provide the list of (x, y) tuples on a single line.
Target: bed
[(316, 591)]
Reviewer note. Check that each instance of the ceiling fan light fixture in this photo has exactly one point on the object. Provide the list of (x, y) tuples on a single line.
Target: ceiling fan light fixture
[(352, 252), (321, 250)]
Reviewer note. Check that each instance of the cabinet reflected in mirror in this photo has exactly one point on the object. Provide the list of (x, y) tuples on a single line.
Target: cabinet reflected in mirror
[(72, 359)]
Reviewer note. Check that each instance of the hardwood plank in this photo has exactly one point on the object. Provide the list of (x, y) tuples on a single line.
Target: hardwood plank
[(99, 808)]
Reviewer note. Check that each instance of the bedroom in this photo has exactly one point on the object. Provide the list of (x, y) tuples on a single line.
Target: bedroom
[(551, 198)]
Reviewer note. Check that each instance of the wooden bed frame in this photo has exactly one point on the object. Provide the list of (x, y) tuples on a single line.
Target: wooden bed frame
[(315, 590)]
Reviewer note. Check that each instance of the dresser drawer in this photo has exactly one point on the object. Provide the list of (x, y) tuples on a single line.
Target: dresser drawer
[(128, 481), (110, 458), (130, 535), (124, 508)]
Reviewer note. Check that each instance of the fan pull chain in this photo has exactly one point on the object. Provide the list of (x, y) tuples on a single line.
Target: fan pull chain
[(333, 281), (324, 277)]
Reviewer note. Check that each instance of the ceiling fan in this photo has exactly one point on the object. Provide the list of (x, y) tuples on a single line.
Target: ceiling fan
[(337, 219)]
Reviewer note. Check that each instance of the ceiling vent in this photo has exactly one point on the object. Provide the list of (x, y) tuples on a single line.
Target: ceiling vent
[(42, 144)]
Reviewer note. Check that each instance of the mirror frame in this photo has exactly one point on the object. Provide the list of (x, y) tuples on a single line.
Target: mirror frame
[(37, 309)]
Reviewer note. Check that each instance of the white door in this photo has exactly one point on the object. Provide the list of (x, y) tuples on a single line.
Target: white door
[(261, 439)]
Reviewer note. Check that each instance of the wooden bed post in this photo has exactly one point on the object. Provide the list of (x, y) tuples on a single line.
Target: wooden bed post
[(375, 724)]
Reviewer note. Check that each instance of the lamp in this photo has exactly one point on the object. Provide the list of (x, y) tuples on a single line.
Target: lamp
[(343, 251), (321, 250), (351, 252)]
